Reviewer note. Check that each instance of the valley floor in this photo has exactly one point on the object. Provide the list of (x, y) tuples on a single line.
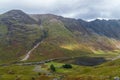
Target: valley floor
[(107, 71)]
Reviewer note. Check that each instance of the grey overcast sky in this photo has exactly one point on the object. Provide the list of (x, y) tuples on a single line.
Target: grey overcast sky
[(84, 9)]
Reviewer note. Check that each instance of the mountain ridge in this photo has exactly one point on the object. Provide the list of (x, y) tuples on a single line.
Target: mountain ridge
[(61, 36)]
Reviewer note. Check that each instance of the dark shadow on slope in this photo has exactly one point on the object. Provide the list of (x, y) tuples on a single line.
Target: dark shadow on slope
[(85, 61), (89, 61)]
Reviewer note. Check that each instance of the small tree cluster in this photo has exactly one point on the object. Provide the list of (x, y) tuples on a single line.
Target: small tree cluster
[(67, 66), (52, 68), (39, 73), (33, 78)]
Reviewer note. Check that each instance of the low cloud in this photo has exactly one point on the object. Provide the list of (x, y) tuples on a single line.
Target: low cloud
[(85, 9)]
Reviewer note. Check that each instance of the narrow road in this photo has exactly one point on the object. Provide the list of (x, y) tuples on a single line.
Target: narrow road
[(118, 57), (41, 62), (28, 54)]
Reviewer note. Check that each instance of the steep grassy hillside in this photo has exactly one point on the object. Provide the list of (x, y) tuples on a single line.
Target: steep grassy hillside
[(18, 34), (58, 37), (60, 42), (68, 38)]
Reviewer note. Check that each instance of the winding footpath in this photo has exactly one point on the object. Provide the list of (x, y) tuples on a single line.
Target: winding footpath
[(28, 54)]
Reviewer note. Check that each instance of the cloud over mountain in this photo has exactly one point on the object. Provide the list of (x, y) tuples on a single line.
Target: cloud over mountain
[(85, 9)]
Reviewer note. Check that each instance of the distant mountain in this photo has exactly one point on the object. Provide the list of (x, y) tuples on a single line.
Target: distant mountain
[(109, 28), (58, 36)]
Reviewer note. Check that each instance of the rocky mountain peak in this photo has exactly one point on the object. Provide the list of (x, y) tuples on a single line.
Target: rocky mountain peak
[(17, 16)]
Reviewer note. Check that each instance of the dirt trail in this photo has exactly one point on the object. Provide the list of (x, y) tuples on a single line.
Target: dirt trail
[(28, 54)]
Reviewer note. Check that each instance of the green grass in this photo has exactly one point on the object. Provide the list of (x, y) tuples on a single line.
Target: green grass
[(106, 71), (25, 72), (102, 71), (17, 44)]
